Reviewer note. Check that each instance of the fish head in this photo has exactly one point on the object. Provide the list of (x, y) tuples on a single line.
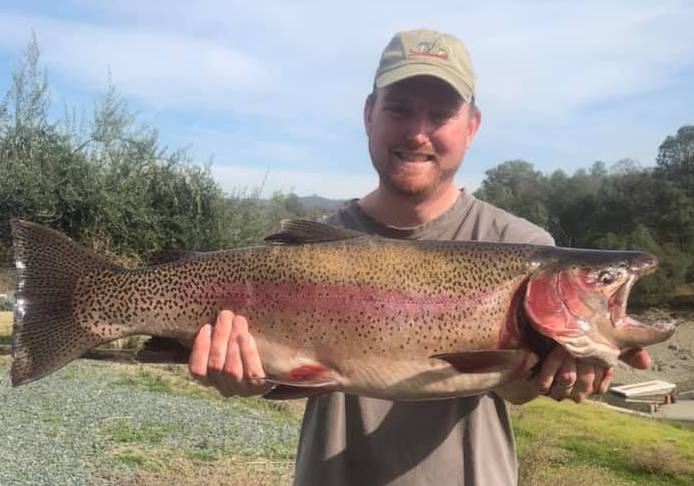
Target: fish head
[(579, 299)]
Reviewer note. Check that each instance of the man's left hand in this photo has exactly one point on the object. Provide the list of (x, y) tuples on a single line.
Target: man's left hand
[(562, 376)]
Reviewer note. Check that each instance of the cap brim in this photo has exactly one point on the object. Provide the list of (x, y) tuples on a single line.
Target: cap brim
[(412, 70)]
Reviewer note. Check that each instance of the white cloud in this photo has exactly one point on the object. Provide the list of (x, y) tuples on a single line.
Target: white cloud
[(276, 59), (157, 67)]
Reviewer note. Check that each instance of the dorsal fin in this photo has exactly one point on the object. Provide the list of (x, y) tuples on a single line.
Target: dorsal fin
[(300, 231)]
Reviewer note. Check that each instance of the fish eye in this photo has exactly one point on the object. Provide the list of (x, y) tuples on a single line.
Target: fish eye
[(606, 277)]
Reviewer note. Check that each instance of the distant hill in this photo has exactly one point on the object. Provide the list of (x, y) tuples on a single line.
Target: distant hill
[(321, 204)]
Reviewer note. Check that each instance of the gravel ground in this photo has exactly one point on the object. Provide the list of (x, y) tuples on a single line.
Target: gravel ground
[(673, 360), (80, 425)]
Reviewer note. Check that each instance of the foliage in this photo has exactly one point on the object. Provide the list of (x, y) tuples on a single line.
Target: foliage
[(676, 158), (625, 207), (517, 187), (112, 185)]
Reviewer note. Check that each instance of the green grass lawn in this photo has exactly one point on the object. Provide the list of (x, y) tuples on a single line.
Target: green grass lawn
[(568, 444)]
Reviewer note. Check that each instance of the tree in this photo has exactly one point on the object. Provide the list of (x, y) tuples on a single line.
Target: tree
[(675, 158), (35, 157), (517, 187), (112, 187), (573, 204)]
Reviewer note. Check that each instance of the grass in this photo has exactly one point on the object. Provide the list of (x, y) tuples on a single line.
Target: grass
[(560, 444), (145, 453), (123, 431), (567, 444), (152, 470)]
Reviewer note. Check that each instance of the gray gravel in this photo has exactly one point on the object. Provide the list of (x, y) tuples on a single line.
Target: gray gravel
[(60, 430)]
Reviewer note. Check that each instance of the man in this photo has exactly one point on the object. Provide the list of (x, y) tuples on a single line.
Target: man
[(420, 119)]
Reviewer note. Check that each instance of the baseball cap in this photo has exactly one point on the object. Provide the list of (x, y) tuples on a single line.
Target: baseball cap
[(425, 52)]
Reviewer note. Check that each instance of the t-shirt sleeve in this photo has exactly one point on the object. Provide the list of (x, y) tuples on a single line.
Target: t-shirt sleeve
[(495, 224)]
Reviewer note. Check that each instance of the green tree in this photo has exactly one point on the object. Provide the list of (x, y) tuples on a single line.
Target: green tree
[(111, 186), (40, 178), (517, 187), (573, 204), (654, 289), (675, 158)]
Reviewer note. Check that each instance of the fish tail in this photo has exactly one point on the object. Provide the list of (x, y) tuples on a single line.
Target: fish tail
[(46, 336)]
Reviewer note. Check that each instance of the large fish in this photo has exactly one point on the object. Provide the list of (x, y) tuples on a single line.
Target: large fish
[(333, 309)]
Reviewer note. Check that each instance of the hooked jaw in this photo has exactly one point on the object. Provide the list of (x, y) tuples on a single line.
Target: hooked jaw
[(584, 306), (628, 331)]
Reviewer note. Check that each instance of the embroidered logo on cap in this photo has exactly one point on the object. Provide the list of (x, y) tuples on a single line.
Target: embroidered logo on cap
[(425, 49)]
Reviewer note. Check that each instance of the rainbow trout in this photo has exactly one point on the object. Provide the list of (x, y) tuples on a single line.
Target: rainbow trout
[(333, 309)]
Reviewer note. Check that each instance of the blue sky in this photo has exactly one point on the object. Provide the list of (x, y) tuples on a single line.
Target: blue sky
[(273, 90)]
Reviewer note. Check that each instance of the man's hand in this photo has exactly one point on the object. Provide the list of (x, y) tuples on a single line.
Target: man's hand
[(226, 357), (562, 376)]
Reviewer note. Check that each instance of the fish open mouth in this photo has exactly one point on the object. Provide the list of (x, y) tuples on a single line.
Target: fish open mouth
[(617, 306)]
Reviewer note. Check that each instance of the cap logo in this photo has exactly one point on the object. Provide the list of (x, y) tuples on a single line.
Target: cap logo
[(425, 49)]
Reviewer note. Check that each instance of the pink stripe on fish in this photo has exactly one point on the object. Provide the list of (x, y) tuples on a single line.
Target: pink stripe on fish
[(336, 299)]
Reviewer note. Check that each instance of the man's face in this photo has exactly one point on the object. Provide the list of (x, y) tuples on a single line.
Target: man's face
[(418, 130)]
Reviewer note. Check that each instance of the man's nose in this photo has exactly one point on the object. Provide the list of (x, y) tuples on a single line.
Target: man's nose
[(419, 128)]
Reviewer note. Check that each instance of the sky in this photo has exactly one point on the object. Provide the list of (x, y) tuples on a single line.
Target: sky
[(271, 92)]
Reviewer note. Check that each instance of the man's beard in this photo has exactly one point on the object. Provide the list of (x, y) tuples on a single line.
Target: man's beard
[(418, 192)]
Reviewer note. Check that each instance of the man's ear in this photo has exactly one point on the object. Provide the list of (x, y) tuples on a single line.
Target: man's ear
[(475, 118), (368, 110)]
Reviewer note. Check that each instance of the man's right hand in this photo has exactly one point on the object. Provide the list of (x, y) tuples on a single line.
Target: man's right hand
[(226, 357)]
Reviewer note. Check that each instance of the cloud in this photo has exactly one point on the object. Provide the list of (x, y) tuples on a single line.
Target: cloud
[(276, 59), (158, 68), (560, 83)]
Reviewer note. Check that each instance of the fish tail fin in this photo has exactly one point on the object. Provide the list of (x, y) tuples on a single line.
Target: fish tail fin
[(46, 336)]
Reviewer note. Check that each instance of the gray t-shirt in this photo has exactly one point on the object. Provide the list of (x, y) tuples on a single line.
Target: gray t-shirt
[(358, 441)]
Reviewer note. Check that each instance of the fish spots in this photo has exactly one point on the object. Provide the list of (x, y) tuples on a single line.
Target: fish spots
[(338, 299)]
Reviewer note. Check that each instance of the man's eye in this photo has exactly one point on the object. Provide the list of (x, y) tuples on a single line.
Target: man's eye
[(396, 110), (441, 116)]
